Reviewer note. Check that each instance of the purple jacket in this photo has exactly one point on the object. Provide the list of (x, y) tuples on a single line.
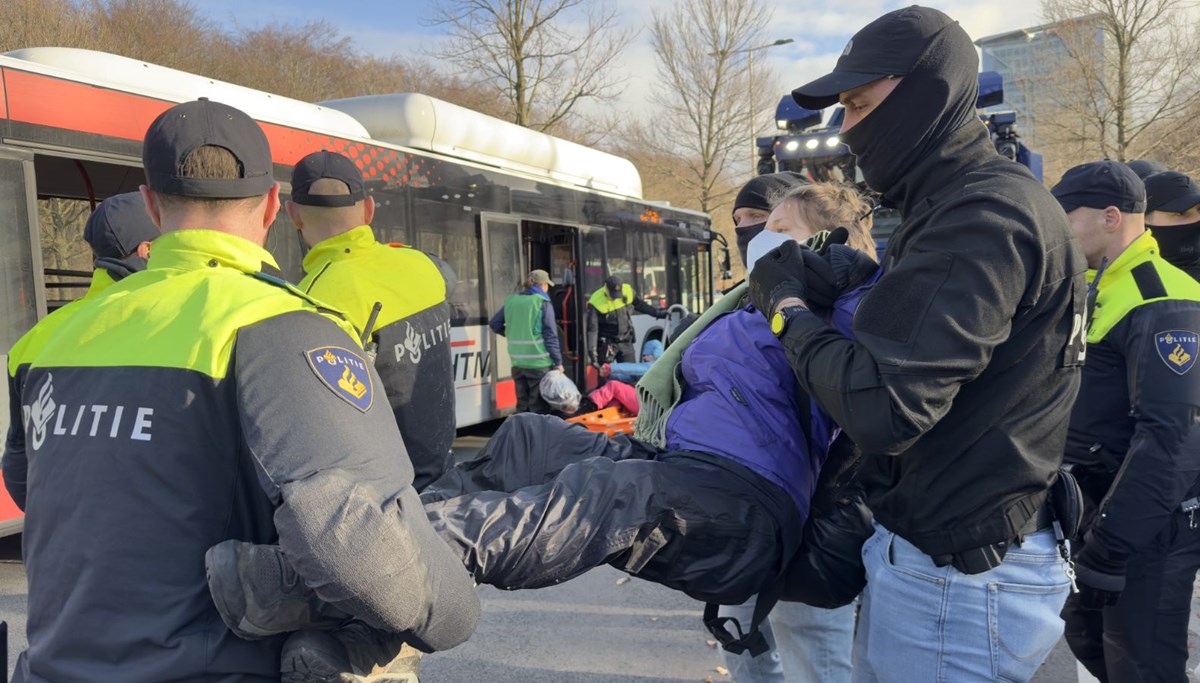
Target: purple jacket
[(744, 406)]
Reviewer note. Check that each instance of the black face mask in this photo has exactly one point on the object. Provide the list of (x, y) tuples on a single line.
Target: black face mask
[(1179, 244), (932, 102), (745, 233)]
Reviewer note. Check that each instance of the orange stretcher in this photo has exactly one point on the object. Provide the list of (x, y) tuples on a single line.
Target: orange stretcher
[(609, 421)]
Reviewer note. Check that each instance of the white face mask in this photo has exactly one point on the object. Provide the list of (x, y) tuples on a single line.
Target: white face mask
[(762, 243)]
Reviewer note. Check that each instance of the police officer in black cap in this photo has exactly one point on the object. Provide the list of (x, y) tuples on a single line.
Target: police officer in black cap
[(610, 322), (119, 232), (1144, 168), (1173, 215), (959, 387), (1134, 443)]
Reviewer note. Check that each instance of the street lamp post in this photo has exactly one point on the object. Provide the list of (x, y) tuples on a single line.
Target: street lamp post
[(751, 105)]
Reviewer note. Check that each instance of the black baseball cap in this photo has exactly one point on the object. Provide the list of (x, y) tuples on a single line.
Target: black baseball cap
[(1099, 185), (180, 130), (1144, 168), (889, 46), (330, 165), (1171, 191), (119, 225), (613, 283)]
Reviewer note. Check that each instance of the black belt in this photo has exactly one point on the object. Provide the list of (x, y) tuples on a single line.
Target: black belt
[(983, 558)]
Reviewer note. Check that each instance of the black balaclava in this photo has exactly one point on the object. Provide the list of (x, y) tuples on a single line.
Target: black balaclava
[(761, 193), (1179, 245), (933, 102)]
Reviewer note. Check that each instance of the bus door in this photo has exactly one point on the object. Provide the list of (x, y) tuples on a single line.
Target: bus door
[(554, 248), (503, 271), (22, 295)]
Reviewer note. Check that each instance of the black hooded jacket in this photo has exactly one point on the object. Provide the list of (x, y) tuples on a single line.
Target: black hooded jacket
[(960, 384)]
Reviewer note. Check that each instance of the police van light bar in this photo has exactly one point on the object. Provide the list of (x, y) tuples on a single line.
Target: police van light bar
[(793, 118)]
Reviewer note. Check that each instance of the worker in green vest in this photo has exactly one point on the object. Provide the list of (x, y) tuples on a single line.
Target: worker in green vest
[(527, 321), (610, 322), (348, 269)]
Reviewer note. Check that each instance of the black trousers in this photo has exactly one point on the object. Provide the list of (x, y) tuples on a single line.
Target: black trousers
[(1142, 638), (529, 393), (548, 500)]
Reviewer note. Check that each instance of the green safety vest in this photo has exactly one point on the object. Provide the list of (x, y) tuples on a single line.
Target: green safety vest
[(523, 329)]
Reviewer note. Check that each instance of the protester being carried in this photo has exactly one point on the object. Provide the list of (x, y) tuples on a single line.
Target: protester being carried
[(716, 510)]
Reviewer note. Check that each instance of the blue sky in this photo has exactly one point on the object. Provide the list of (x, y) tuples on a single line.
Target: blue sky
[(819, 28)]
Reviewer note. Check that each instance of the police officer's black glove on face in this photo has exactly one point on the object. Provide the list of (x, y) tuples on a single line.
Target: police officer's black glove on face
[(778, 275), (1101, 577)]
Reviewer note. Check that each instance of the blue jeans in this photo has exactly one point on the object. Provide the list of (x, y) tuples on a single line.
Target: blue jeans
[(808, 645), (921, 622)]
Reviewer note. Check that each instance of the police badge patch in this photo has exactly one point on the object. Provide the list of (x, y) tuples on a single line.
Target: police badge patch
[(1177, 348), (345, 373)]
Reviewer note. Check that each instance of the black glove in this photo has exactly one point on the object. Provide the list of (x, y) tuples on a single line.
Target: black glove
[(661, 313), (779, 274), (1099, 574), (835, 269)]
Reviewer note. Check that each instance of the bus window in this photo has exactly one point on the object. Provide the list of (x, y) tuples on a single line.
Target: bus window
[(618, 259), (389, 223), (651, 265), (450, 233), (17, 276), (65, 256), (283, 241), (594, 270), (689, 290)]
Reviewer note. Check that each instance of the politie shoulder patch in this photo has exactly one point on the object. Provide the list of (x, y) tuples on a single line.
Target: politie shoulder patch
[(1178, 349), (345, 373)]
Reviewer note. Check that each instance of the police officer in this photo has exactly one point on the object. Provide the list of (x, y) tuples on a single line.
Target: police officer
[(1173, 216), (527, 321), (206, 400), (119, 233), (959, 387), (1133, 442), (610, 322), (347, 268)]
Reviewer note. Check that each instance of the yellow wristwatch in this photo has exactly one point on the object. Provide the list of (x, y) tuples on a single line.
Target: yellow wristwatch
[(782, 317)]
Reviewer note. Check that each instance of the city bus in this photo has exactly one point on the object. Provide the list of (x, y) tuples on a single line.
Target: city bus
[(493, 199)]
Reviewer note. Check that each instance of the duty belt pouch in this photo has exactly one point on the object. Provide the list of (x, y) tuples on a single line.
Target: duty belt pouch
[(1066, 503)]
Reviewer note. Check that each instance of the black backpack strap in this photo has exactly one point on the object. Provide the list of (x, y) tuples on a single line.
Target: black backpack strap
[(753, 640)]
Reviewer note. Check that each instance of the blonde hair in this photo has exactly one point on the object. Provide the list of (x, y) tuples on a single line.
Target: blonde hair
[(826, 206)]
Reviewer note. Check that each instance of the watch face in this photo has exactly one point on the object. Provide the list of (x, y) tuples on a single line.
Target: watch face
[(777, 323)]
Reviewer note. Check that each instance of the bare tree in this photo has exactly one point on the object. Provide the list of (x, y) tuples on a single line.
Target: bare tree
[(543, 57), (39, 23), (1124, 73), (700, 141)]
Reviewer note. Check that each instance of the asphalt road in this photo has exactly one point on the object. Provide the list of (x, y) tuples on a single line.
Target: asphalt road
[(597, 628)]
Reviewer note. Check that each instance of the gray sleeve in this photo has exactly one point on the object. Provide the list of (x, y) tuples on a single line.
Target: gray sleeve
[(316, 420)]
